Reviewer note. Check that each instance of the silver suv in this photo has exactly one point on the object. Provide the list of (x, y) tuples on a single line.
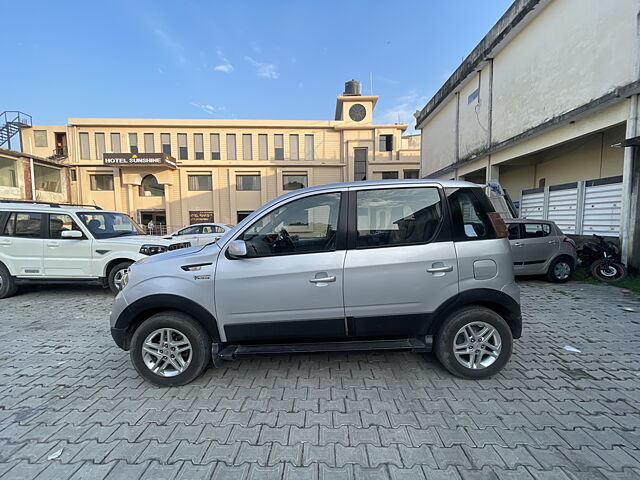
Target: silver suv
[(419, 265)]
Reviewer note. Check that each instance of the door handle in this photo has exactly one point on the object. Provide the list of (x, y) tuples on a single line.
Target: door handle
[(5, 242), (322, 280), (53, 244), (518, 244), (552, 241), (443, 269)]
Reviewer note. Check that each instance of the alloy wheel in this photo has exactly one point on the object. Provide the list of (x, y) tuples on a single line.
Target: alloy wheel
[(117, 278), (477, 345), (167, 352), (562, 270)]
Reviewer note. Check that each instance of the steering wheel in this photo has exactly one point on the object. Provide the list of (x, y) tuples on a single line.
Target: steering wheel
[(283, 240)]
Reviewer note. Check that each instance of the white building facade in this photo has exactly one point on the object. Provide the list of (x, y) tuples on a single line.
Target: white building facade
[(540, 105)]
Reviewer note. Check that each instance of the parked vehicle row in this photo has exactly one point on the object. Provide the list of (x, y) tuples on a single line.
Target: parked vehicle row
[(417, 265), (50, 242)]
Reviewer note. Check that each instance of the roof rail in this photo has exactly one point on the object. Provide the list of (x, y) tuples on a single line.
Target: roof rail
[(51, 204)]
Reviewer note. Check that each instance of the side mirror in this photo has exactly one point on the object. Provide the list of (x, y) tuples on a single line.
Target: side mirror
[(237, 249), (71, 234)]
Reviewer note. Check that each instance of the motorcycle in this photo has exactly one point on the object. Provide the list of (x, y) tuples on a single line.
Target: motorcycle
[(602, 258)]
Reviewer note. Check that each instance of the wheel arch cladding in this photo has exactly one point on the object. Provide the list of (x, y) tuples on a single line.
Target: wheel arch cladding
[(113, 263), (140, 310), (499, 302)]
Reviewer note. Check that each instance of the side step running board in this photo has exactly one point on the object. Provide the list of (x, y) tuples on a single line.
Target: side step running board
[(416, 344)]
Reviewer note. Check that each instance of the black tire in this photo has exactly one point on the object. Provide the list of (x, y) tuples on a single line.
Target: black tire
[(8, 286), (187, 327), (446, 336), (561, 270), (614, 272), (113, 274)]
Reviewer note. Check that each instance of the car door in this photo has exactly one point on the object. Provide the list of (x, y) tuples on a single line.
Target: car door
[(517, 247), (400, 266), (66, 257), (539, 247), (21, 243), (290, 283)]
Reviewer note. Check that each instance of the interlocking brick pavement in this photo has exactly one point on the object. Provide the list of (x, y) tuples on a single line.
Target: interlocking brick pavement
[(69, 394)]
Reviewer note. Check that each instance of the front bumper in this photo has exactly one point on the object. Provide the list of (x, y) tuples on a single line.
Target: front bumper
[(119, 336)]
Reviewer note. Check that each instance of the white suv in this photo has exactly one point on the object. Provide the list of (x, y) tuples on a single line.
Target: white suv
[(51, 242)]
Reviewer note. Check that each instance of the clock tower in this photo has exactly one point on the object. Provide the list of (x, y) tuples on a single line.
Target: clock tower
[(353, 108)]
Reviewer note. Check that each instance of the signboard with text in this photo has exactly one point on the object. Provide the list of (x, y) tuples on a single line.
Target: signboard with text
[(139, 159), (200, 216)]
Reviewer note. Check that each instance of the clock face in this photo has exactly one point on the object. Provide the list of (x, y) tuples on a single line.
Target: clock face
[(357, 112)]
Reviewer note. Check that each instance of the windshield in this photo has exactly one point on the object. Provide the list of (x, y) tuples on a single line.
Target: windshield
[(109, 224)]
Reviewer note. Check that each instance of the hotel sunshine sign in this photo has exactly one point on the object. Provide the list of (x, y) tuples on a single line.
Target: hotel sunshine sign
[(139, 159)]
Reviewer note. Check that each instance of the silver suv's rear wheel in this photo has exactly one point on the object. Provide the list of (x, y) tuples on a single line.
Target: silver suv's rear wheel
[(170, 348), (474, 342)]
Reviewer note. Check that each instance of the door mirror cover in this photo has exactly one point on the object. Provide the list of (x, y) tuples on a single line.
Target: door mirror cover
[(237, 249), (71, 234)]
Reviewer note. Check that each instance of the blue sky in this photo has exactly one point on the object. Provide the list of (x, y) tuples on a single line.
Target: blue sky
[(231, 59)]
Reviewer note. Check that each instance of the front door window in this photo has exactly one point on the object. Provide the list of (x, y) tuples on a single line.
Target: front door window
[(307, 225)]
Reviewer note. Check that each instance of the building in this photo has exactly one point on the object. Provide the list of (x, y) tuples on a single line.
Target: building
[(27, 177), (177, 172), (541, 104)]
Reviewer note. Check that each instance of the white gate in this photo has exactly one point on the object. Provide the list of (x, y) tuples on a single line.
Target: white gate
[(580, 208)]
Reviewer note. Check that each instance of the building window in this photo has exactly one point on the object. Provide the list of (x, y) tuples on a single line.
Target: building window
[(215, 146), (412, 174), (165, 142), (133, 142), (542, 183), (198, 145), (183, 151), (199, 183), (100, 146), (8, 172), (84, 146), (231, 146), (74, 175), (40, 138), (360, 164), (263, 147), (247, 147), (149, 146), (47, 179), (386, 143), (247, 182), (278, 147), (308, 147), (150, 187), (116, 146), (294, 182), (389, 175), (294, 147), (241, 215), (101, 182)]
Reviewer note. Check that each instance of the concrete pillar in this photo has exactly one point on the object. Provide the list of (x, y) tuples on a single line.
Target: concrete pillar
[(633, 235), (492, 171), (628, 219)]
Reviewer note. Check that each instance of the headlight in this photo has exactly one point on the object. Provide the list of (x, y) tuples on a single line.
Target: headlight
[(153, 249)]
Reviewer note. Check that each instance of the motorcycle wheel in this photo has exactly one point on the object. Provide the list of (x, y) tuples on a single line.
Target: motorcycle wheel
[(613, 272)]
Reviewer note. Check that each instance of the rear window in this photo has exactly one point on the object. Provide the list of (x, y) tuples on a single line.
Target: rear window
[(23, 224), (536, 230), (469, 212)]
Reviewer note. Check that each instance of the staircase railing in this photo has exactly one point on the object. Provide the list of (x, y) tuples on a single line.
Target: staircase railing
[(13, 116)]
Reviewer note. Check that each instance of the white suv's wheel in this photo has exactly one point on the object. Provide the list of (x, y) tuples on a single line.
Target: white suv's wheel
[(115, 276), (170, 348), (7, 283), (474, 342)]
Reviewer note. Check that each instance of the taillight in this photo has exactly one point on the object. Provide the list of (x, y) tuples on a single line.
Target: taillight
[(570, 242), (498, 225)]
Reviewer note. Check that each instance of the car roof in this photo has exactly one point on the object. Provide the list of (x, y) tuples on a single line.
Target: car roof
[(51, 208)]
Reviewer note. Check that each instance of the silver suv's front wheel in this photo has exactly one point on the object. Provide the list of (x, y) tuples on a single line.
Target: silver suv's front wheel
[(170, 348), (474, 342)]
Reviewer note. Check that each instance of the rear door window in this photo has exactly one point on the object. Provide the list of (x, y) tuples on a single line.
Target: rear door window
[(536, 230), (514, 231), (23, 224), (469, 212), (398, 216)]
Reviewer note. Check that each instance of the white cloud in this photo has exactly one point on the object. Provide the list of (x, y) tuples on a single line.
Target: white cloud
[(403, 109), (225, 66), (170, 44), (264, 70), (210, 109)]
